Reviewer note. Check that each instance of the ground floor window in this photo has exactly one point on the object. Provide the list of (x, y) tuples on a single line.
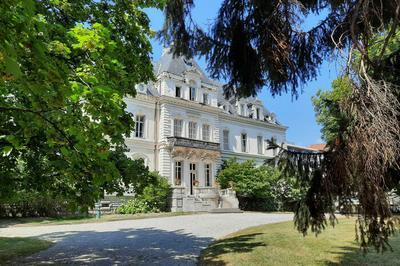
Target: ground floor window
[(178, 173), (207, 175)]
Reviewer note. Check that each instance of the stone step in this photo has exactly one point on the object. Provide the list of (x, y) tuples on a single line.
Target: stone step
[(226, 210)]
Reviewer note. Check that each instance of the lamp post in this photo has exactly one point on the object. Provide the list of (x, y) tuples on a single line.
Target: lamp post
[(98, 210)]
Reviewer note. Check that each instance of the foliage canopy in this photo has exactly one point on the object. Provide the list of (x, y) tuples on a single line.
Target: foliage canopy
[(65, 67)]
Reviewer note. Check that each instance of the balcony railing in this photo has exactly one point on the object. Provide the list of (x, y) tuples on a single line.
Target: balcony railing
[(193, 143)]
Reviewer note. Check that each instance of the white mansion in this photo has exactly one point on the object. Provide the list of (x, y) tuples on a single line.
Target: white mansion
[(185, 128)]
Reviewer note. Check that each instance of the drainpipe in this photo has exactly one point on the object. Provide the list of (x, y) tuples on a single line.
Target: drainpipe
[(156, 133)]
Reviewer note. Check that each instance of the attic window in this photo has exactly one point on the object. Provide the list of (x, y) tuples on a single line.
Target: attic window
[(178, 92), (188, 62)]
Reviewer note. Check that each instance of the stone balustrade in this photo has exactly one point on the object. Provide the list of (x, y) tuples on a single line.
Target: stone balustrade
[(192, 143)]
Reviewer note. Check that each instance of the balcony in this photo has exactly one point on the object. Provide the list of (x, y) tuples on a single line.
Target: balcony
[(192, 143)]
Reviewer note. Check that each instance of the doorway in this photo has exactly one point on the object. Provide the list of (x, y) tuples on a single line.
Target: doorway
[(193, 176)]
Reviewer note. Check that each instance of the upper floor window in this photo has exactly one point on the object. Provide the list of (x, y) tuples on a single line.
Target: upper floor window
[(242, 109), (205, 98), (139, 126), (178, 173), (206, 132), (192, 130), (258, 113), (178, 92), (243, 139), (178, 127), (259, 144), (225, 136), (192, 94), (274, 150), (207, 174)]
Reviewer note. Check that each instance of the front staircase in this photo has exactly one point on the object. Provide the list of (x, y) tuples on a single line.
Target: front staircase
[(205, 199)]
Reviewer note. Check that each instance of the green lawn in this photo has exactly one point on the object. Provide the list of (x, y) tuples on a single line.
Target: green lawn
[(15, 247), (281, 244), (84, 219)]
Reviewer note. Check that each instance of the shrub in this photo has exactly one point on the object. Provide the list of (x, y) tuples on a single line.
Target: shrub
[(261, 188), (153, 197), (136, 205), (34, 204)]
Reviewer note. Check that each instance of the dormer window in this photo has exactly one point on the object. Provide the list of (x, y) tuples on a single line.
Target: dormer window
[(139, 126), (205, 98), (258, 113), (178, 92), (243, 140), (242, 109), (192, 94)]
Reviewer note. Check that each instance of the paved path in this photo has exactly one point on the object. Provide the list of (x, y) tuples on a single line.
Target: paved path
[(166, 241)]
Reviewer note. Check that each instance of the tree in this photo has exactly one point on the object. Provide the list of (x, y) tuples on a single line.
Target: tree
[(260, 43), (65, 68), (262, 188), (328, 111)]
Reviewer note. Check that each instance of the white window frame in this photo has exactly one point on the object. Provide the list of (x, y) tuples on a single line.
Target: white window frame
[(192, 130), (258, 116), (178, 173), (225, 139), (178, 125), (192, 93), (242, 110), (206, 130), (178, 88), (259, 144), (207, 175), (243, 142), (205, 98), (140, 122)]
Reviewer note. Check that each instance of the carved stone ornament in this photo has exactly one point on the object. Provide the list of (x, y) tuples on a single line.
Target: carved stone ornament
[(194, 154)]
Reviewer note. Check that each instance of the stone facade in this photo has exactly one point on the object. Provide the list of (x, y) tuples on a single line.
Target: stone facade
[(185, 128)]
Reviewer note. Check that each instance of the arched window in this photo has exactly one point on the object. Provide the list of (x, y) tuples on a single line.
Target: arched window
[(138, 156)]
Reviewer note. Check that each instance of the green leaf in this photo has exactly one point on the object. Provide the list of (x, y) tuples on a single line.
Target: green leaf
[(7, 150)]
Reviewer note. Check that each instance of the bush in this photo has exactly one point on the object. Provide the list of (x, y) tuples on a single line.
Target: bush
[(261, 188), (154, 197), (33, 204), (136, 205)]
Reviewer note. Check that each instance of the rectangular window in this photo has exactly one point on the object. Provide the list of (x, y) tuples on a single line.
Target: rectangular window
[(207, 174), (244, 142), (178, 127), (205, 98), (242, 109), (139, 126), (258, 113), (192, 130), (178, 173), (259, 144), (275, 150), (178, 92), (192, 94), (226, 139), (206, 132)]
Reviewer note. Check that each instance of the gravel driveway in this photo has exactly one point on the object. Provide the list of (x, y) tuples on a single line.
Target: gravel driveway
[(166, 241)]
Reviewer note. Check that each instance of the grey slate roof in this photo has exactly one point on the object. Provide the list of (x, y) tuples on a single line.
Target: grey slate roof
[(179, 65)]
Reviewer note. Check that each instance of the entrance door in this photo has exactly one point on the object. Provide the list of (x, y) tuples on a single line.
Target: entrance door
[(192, 173)]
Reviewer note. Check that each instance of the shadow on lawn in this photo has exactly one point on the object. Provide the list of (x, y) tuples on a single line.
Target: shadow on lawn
[(146, 246), (356, 256), (239, 244)]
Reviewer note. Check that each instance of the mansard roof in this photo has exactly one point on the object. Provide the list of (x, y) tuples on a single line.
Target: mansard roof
[(180, 65)]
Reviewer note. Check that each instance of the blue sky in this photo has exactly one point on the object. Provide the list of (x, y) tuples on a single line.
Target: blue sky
[(297, 114)]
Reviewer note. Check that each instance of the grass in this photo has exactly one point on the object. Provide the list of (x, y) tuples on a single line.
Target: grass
[(12, 248), (84, 219), (281, 244)]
